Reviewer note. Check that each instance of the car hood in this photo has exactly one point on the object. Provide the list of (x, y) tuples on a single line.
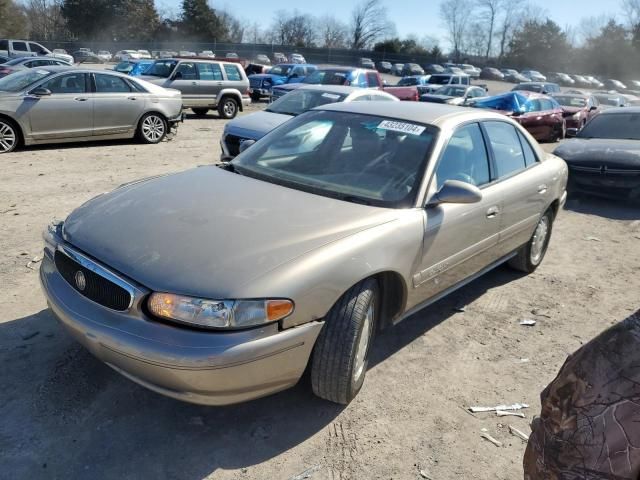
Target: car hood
[(291, 86), (436, 98), (595, 151), (257, 124), (207, 232)]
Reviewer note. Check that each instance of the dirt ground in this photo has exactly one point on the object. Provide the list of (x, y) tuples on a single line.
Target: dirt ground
[(66, 415)]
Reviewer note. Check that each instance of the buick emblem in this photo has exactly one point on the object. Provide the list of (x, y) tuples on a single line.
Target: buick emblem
[(81, 281)]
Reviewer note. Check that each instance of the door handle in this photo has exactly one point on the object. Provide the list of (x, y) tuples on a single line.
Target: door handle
[(132, 98), (194, 83), (493, 212), (542, 189), (219, 83), (80, 99)]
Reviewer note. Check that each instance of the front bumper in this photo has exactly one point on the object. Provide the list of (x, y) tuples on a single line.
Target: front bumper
[(211, 368), (263, 92)]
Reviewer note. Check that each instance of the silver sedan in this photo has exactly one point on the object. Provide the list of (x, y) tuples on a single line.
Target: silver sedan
[(231, 279), (66, 104)]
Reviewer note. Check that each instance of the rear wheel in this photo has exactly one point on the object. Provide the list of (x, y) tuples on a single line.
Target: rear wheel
[(200, 112), (340, 356), (530, 256), (153, 128), (9, 136), (228, 108)]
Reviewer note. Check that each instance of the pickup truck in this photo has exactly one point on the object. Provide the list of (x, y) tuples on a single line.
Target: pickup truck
[(440, 79), (409, 88), (261, 85)]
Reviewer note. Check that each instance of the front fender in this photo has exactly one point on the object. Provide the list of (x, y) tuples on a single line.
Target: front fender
[(316, 280)]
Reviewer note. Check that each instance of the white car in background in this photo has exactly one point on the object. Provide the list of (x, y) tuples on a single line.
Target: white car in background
[(145, 54), (105, 55), (207, 54), (127, 55)]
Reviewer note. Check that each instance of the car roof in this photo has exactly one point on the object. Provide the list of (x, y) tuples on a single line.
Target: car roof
[(432, 114)]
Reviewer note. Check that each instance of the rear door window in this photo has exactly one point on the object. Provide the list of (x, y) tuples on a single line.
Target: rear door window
[(529, 155), (233, 73), (209, 71), (111, 84), (20, 46), (507, 150)]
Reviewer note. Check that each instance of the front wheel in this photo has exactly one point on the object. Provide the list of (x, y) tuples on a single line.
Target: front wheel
[(228, 108), (340, 356), (153, 128), (530, 256)]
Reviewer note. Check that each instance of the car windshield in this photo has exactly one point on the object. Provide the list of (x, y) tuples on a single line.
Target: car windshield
[(19, 81), (16, 61), (161, 68), (327, 77), (608, 100), (408, 82), (439, 79), (140, 68), (280, 70), (619, 126), (299, 101), (451, 91), (569, 101), (358, 158)]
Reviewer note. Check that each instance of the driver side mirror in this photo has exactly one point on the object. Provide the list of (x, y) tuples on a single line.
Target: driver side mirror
[(593, 107), (40, 92), (455, 191)]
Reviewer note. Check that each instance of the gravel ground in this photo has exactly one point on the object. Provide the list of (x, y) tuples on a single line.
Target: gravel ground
[(66, 415)]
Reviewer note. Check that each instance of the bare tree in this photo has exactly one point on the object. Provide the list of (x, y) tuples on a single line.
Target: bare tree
[(475, 39), (591, 27), (514, 14), (369, 22), (293, 29), (235, 28), (489, 10), (332, 33), (631, 9), (45, 19), (456, 14)]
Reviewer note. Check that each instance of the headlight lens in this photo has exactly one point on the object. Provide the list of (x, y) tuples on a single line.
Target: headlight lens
[(218, 313)]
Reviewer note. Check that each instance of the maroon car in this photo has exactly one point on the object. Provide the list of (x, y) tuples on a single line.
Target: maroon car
[(577, 110), (540, 114)]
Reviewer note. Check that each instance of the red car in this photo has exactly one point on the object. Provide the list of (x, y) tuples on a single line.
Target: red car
[(540, 114), (578, 110)]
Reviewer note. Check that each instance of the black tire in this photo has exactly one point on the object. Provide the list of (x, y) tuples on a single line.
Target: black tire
[(9, 136), (152, 128), (200, 112), (228, 108), (559, 132), (530, 256), (255, 97), (339, 361)]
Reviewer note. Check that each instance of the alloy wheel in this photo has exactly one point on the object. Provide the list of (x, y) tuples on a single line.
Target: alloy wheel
[(539, 240), (8, 137), (229, 108), (153, 128)]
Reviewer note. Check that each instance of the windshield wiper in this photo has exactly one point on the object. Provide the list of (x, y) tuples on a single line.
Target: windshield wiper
[(292, 114), (354, 199)]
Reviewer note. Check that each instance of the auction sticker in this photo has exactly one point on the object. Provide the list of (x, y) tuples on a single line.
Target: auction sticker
[(332, 96), (403, 127)]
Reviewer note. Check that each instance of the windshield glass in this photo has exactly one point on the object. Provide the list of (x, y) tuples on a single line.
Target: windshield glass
[(161, 68), (327, 77), (299, 101), (140, 68), (280, 70), (408, 81), (618, 126), (608, 100), (19, 81), (451, 91), (569, 101), (439, 79), (354, 157), (15, 61)]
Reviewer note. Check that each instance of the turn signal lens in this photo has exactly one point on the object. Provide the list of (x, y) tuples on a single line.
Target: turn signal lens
[(278, 309)]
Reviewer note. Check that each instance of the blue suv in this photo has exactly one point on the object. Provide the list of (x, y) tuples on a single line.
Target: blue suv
[(260, 85)]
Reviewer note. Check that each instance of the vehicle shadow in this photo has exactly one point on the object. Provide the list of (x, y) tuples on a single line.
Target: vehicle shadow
[(68, 415), (602, 207)]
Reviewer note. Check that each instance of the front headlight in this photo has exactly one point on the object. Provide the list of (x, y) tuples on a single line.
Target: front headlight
[(576, 116), (218, 313)]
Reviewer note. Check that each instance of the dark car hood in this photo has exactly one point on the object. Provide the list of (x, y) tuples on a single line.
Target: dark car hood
[(595, 151), (205, 232), (256, 125), (435, 98)]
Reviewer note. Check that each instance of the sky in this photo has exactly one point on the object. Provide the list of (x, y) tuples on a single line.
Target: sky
[(418, 17)]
